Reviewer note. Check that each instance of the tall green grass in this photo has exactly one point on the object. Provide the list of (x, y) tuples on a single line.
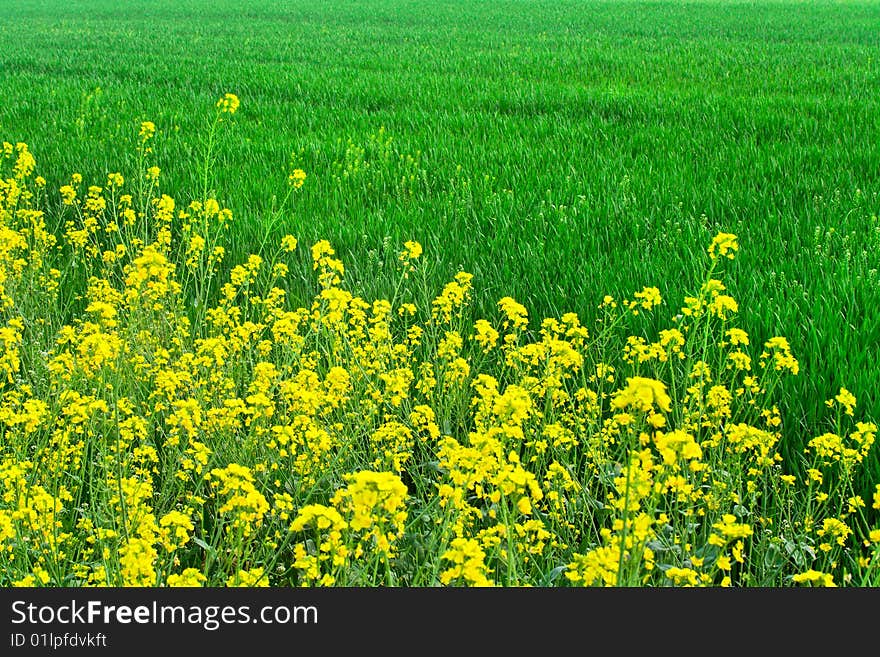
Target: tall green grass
[(560, 151)]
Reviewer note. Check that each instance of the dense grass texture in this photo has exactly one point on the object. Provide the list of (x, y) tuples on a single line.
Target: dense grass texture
[(558, 152)]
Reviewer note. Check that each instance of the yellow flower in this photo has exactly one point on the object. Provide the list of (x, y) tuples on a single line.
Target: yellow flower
[(228, 104), (782, 356), (682, 576), (288, 243), (485, 335), (190, 578), (814, 578), (321, 517), (255, 577), (854, 503), (649, 297), (411, 251), (677, 444), (137, 559), (728, 529), (723, 245), (244, 505), (374, 504), (320, 250), (835, 529), (721, 305), (642, 394), (296, 178), (598, 566), (175, 529), (148, 129), (737, 337), (454, 296), (468, 559), (516, 314), (68, 194), (846, 399)]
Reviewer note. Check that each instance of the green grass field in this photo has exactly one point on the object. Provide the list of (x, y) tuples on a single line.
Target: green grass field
[(559, 151)]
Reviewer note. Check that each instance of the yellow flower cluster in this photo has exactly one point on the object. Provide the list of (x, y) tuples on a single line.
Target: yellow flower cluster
[(228, 104)]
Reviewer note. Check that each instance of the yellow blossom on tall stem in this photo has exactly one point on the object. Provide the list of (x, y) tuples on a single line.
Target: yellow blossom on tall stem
[(228, 104)]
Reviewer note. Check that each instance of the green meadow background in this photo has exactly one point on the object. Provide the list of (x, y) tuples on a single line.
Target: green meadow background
[(559, 151)]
